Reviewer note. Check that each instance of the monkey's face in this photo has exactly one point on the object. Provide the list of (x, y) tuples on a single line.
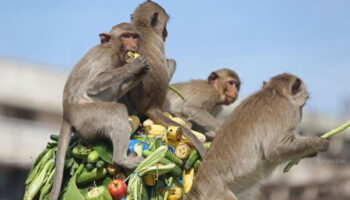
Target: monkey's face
[(230, 90), (129, 42)]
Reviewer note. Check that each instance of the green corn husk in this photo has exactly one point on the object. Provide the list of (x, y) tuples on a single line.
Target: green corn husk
[(44, 192), (135, 185), (40, 163)]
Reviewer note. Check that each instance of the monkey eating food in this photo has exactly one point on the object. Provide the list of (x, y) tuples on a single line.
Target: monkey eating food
[(259, 135), (90, 96)]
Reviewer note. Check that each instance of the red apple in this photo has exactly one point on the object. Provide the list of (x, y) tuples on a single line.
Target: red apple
[(117, 188)]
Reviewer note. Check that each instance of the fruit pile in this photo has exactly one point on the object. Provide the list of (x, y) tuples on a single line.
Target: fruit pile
[(166, 173)]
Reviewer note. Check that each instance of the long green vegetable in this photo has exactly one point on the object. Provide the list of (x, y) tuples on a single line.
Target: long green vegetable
[(326, 135), (177, 92)]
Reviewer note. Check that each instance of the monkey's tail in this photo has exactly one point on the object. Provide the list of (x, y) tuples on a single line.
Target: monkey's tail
[(63, 142), (157, 116)]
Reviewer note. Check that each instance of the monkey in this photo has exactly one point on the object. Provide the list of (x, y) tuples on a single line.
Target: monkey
[(147, 98), (203, 97), (259, 135), (91, 93)]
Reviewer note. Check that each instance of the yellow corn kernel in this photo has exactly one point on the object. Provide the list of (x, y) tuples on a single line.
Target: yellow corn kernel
[(170, 137), (182, 151), (134, 123), (130, 53), (187, 178), (175, 194), (147, 122), (180, 121), (149, 180), (201, 137), (168, 115), (155, 130)]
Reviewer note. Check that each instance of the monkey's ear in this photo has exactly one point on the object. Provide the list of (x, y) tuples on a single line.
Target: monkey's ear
[(105, 37), (212, 77), (296, 86), (154, 20)]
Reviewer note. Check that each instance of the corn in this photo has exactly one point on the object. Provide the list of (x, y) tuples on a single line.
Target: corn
[(147, 122), (155, 130), (135, 55), (168, 115), (175, 194), (170, 137), (201, 137), (134, 123), (187, 178), (182, 151), (149, 179), (180, 121)]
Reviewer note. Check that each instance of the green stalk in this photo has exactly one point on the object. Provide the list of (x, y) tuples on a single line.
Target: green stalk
[(177, 92), (325, 136)]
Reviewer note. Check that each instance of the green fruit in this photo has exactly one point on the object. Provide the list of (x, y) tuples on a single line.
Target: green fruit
[(93, 157)]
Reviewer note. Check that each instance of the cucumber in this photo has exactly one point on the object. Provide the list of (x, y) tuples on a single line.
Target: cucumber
[(169, 155), (89, 167), (54, 137), (176, 172), (100, 164), (197, 164), (194, 155), (95, 174)]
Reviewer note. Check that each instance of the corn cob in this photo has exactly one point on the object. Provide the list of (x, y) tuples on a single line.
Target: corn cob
[(182, 151), (187, 178), (168, 115), (155, 130), (180, 121), (132, 54), (147, 122), (149, 179), (175, 194), (170, 138), (134, 123)]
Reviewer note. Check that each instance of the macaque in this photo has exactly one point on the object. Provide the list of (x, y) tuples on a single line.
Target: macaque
[(147, 98), (90, 96), (258, 136), (202, 98)]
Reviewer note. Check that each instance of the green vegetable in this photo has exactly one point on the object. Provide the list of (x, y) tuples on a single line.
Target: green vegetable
[(197, 164), (168, 155), (326, 135), (100, 164), (93, 157), (160, 169), (45, 190), (176, 171), (99, 193), (38, 181), (169, 184), (135, 185), (95, 174), (54, 137), (80, 152), (105, 151), (89, 167), (138, 148), (72, 191), (194, 155), (177, 92)]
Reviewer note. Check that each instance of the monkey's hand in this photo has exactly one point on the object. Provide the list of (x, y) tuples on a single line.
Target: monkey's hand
[(142, 65), (322, 145)]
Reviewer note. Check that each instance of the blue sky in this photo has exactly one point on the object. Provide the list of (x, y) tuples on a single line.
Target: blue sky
[(258, 39)]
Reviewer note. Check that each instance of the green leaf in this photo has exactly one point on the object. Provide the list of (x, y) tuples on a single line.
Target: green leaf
[(72, 191), (105, 151)]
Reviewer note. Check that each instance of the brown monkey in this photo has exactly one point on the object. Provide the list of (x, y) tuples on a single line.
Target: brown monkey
[(203, 97), (99, 79), (257, 137), (148, 97)]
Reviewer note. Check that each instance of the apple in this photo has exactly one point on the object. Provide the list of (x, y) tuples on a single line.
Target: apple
[(117, 188)]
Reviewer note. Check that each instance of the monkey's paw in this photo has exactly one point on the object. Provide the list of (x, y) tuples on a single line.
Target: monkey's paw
[(323, 145)]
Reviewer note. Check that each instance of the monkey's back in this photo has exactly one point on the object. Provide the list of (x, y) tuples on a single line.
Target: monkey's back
[(97, 60), (151, 92)]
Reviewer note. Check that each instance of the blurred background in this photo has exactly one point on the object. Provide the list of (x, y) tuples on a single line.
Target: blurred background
[(41, 41)]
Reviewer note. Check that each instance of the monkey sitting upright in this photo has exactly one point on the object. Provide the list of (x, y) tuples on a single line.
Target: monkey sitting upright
[(259, 135), (90, 97), (202, 98)]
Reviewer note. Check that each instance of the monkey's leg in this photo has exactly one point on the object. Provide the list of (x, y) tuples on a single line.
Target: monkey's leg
[(109, 120), (292, 147), (227, 195)]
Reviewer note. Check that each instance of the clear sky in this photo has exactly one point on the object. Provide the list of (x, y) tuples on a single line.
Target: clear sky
[(258, 39)]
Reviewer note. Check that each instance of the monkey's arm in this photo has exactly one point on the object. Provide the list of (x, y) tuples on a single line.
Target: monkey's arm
[(201, 117), (292, 147), (119, 80), (171, 68)]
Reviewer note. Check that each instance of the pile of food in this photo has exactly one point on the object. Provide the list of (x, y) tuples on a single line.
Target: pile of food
[(166, 173)]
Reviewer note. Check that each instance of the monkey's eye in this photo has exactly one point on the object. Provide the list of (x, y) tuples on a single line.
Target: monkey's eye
[(232, 83), (126, 35), (135, 36)]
